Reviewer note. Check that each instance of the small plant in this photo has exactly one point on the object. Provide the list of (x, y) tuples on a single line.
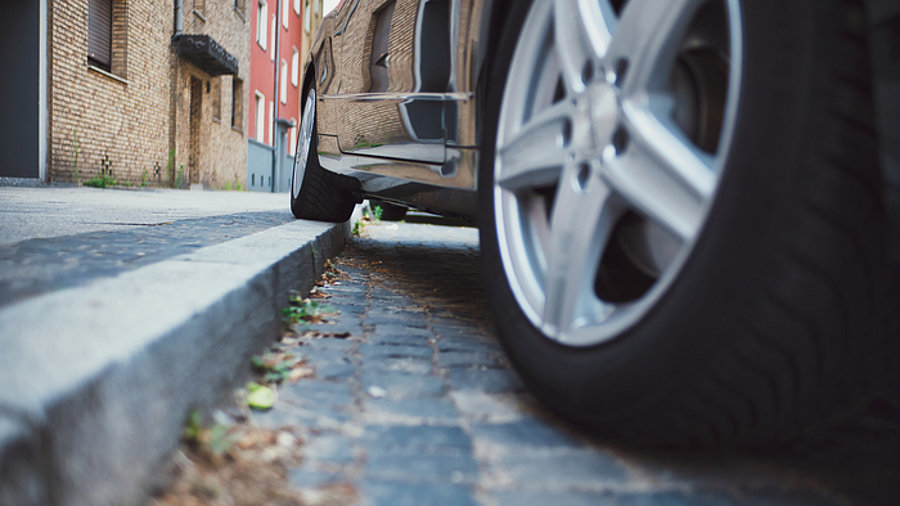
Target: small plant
[(377, 213), (275, 367), (170, 165), (102, 180), (307, 311), (237, 186), (357, 228), (179, 176), (227, 186), (213, 440), (77, 148), (144, 176)]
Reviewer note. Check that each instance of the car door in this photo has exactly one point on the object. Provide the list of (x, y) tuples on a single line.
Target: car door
[(396, 70)]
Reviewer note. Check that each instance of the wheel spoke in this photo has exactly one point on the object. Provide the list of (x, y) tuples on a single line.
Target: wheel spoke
[(647, 37), (582, 32), (581, 224), (661, 173), (534, 155)]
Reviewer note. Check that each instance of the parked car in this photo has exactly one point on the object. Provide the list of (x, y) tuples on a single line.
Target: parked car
[(682, 213)]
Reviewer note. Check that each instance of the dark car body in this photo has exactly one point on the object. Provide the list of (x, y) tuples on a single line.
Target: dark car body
[(399, 83)]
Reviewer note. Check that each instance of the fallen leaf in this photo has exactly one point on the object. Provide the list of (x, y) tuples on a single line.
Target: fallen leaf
[(300, 372), (260, 397)]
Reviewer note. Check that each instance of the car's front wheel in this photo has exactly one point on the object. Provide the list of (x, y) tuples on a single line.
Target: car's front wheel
[(681, 217)]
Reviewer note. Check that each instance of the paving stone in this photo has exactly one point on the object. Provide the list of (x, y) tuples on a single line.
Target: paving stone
[(325, 347), (470, 346), (468, 359), (316, 393), (330, 448), (402, 493), (422, 467), (528, 433), (347, 289), (427, 409), (309, 476), (347, 304), (334, 371), (399, 334), (401, 386), (571, 469), (405, 440), (412, 366), (487, 380), (531, 497), (388, 351)]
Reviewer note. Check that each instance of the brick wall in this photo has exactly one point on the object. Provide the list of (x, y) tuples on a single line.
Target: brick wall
[(128, 119), (223, 148)]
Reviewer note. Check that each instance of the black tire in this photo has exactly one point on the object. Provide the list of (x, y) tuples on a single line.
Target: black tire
[(317, 196), (389, 212), (774, 324)]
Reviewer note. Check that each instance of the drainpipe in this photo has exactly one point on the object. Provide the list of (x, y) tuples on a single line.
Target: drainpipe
[(179, 17), (276, 97), (173, 95)]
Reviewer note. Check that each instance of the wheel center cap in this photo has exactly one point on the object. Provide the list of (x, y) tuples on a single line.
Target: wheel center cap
[(603, 103)]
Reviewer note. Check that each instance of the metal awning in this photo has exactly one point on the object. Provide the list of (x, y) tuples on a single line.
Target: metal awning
[(206, 53)]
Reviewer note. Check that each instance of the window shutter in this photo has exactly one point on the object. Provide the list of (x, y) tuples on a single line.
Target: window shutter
[(100, 32)]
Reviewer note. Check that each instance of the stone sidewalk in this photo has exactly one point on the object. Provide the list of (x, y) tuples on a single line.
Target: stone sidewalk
[(120, 311), (410, 401)]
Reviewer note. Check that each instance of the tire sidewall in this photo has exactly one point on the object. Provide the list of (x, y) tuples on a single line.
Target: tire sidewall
[(311, 157), (683, 331)]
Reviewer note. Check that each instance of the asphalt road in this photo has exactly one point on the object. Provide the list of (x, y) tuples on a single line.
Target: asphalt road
[(404, 397)]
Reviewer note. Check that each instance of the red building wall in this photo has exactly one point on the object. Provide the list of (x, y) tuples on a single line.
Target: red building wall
[(262, 67)]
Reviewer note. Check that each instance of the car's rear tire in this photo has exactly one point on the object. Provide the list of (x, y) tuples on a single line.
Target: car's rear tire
[(746, 317), (314, 194)]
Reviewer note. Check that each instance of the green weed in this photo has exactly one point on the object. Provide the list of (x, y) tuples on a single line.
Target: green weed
[(306, 310), (102, 180)]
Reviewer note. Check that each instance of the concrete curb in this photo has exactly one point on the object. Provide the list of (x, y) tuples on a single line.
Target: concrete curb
[(96, 381)]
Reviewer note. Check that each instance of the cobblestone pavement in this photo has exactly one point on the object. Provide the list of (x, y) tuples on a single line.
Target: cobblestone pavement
[(412, 402)]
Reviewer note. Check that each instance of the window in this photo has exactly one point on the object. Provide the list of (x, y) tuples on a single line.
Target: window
[(107, 25), (237, 103), (272, 41), (271, 123), (100, 33), (292, 139), (262, 17), (306, 17), (285, 13), (295, 67), (260, 117), (283, 82), (215, 90), (297, 7)]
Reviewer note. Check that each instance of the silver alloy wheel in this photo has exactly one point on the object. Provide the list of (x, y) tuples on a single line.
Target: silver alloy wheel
[(592, 155), (304, 141)]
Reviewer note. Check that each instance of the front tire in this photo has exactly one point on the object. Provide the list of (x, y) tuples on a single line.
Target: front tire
[(314, 194), (681, 222)]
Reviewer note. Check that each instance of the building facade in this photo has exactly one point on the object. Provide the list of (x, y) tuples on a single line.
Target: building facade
[(148, 91), (279, 32)]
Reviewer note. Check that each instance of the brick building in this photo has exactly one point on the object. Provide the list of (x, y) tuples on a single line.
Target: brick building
[(148, 92), (281, 33)]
